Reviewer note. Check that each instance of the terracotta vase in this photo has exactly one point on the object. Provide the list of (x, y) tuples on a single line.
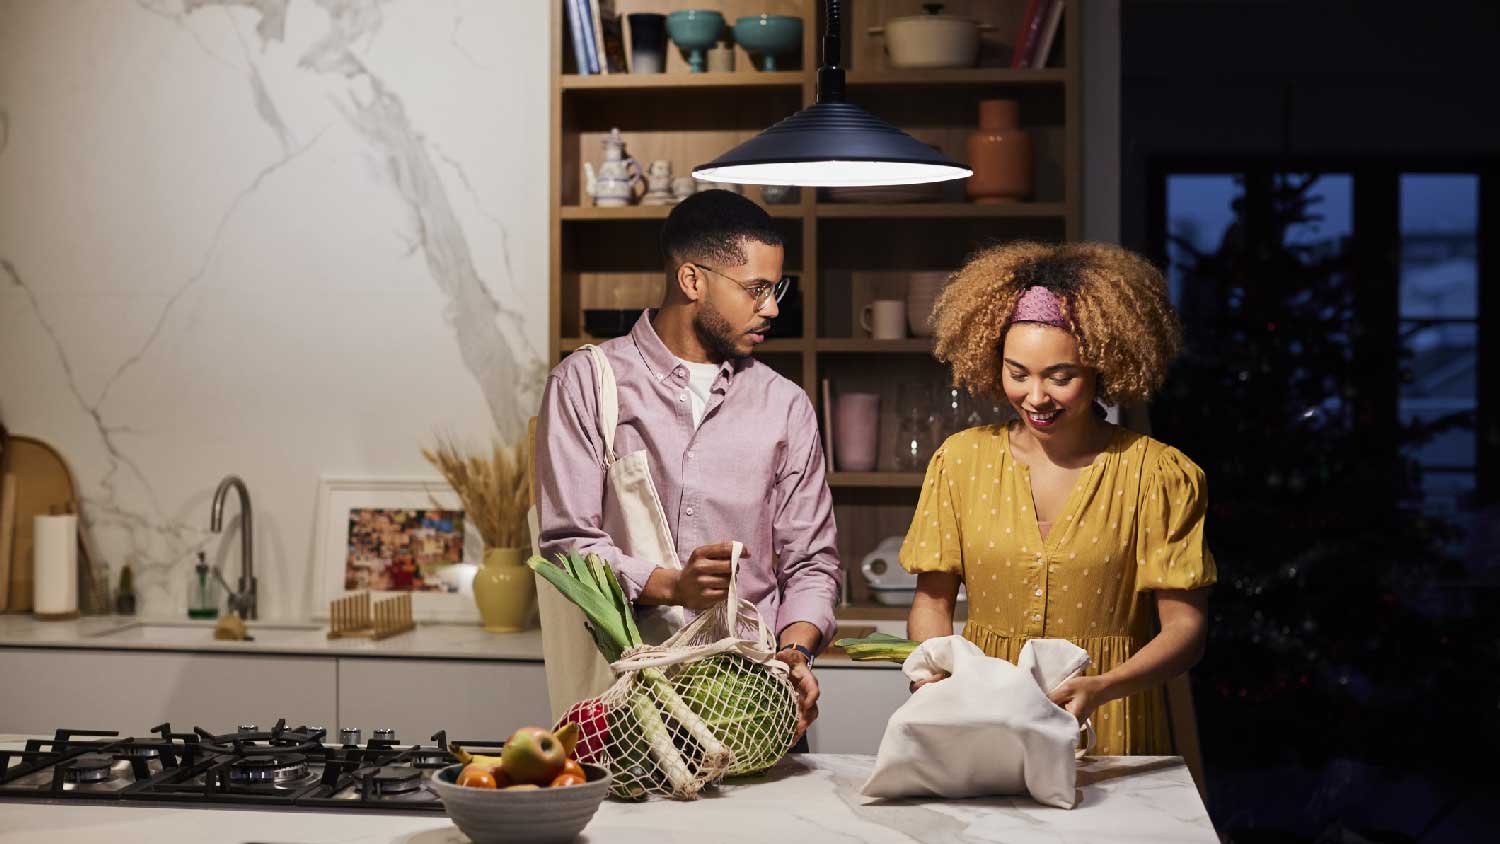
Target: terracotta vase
[(505, 590), (999, 153)]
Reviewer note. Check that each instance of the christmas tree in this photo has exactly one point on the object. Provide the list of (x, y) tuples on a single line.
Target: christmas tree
[(1320, 636)]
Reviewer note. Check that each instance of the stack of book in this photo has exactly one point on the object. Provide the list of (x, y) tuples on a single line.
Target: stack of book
[(1038, 32), (598, 36)]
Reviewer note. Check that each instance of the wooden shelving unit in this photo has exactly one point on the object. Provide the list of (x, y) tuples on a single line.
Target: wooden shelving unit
[(843, 254)]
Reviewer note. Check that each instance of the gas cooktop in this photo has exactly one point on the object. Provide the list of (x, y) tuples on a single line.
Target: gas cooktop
[(282, 766)]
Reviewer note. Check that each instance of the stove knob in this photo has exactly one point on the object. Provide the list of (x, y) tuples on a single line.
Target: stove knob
[(248, 728), (384, 735), (349, 735)]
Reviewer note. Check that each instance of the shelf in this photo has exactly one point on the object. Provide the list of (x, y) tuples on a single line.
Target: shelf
[(957, 76), (655, 212), (681, 81), (855, 345), (1026, 210), (875, 480)]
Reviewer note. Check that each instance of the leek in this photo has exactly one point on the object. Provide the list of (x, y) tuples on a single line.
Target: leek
[(590, 584), (877, 646)]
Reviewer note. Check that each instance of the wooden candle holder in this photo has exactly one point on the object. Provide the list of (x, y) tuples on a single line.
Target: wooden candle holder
[(354, 616)]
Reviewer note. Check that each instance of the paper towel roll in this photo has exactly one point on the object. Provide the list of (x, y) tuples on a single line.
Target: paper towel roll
[(55, 566)]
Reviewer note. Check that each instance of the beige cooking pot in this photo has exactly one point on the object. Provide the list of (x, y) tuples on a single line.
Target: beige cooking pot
[(932, 40)]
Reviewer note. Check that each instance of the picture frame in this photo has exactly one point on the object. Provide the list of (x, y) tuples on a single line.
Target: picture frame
[(346, 504)]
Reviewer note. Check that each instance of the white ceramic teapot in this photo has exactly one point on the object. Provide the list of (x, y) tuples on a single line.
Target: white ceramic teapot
[(619, 178)]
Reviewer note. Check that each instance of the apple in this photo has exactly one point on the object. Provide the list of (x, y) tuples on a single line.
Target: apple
[(533, 755)]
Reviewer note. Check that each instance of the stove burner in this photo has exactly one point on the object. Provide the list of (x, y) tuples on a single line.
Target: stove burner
[(248, 728), (138, 751), (392, 780), (432, 758), (282, 770), (275, 742), (90, 768), (349, 735), (384, 735)]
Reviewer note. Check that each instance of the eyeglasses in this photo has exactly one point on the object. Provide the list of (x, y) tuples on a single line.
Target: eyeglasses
[(761, 291)]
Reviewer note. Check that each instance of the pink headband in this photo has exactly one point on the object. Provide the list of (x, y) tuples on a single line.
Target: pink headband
[(1038, 304)]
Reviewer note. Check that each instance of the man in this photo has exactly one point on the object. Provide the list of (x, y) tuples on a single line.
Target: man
[(732, 446)]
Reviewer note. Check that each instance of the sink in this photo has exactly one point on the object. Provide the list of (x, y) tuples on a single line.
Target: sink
[(197, 632)]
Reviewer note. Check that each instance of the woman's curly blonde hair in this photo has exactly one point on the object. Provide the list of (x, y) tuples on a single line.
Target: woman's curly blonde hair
[(1116, 301)]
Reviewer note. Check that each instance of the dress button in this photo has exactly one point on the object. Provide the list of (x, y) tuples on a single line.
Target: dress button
[(1039, 593), (682, 397), (689, 511), (690, 455), (1036, 618)]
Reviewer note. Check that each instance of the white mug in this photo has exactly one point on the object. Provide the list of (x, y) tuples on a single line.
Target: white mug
[(885, 319)]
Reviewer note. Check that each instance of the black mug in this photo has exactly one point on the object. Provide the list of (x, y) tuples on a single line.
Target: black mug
[(648, 42)]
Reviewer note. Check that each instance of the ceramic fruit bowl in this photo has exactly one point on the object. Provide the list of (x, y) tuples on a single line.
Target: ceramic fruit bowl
[(769, 35), (511, 816), (695, 30)]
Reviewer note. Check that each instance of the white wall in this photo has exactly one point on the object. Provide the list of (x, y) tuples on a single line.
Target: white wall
[(278, 238)]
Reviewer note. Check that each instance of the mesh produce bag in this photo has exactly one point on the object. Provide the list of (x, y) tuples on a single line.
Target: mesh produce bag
[(709, 702)]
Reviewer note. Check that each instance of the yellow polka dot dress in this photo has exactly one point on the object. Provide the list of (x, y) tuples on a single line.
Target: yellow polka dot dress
[(1132, 523)]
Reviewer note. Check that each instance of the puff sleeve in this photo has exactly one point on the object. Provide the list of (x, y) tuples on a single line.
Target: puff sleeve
[(934, 541), (1172, 551)]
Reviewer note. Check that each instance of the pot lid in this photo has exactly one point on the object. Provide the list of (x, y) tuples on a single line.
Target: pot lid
[(933, 14)]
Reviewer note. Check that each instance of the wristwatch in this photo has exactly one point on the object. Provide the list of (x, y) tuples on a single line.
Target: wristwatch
[(802, 649)]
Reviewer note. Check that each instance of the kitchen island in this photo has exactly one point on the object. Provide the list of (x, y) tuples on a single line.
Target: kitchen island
[(807, 799)]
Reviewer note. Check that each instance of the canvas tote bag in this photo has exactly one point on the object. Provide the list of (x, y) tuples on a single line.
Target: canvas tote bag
[(575, 669), (988, 729)]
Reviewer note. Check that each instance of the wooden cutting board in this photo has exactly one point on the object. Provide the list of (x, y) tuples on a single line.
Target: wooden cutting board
[(43, 486)]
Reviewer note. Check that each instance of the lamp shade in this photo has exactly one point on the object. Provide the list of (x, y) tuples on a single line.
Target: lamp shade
[(832, 144)]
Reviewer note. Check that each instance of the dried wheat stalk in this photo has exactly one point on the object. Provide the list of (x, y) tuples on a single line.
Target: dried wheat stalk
[(493, 491)]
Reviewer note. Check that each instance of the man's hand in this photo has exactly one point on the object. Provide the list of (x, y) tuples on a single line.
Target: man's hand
[(807, 689), (703, 582)]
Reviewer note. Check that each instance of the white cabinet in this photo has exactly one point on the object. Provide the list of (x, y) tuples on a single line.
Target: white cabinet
[(471, 699), (854, 706), (42, 690)]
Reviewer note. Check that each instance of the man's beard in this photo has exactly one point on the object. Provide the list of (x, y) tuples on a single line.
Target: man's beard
[(716, 334)]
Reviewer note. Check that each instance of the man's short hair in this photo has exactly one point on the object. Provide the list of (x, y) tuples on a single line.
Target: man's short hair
[(710, 226)]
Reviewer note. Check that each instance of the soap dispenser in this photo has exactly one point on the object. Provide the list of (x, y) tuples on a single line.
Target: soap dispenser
[(203, 591)]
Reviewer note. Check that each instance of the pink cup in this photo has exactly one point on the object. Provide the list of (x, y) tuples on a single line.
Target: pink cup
[(856, 423)]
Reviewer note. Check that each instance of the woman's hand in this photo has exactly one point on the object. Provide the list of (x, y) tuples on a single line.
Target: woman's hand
[(917, 684), (1080, 696)]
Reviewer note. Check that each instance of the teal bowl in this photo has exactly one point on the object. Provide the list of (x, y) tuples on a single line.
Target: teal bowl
[(769, 35), (695, 30)]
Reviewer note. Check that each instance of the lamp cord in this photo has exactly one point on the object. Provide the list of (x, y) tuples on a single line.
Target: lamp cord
[(830, 75)]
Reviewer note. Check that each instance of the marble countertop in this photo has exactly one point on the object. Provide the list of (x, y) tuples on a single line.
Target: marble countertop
[(813, 797), (428, 641)]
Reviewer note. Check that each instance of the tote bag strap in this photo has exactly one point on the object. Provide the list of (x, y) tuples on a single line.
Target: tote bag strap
[(608, 398)]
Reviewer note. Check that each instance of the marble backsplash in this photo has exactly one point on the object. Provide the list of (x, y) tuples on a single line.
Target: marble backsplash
[(277, 238)]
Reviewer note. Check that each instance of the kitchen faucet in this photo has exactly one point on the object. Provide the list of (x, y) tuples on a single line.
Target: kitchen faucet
[(243, 601)]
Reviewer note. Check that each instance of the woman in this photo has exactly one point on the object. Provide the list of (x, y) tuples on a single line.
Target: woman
[(1060, 524)]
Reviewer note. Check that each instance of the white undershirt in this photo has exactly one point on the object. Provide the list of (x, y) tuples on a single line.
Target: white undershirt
[(701, 377)]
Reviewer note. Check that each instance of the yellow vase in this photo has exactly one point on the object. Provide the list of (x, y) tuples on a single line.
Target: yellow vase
[(505, 590)]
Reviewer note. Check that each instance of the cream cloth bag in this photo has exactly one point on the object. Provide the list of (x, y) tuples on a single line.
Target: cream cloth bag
[(575, 669), (988, 729)]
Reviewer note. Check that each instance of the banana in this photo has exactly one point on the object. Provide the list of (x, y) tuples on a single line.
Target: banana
[(467, 758), (567, 736)]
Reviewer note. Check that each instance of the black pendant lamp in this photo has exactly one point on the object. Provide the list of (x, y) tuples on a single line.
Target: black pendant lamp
[(832, 143)]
